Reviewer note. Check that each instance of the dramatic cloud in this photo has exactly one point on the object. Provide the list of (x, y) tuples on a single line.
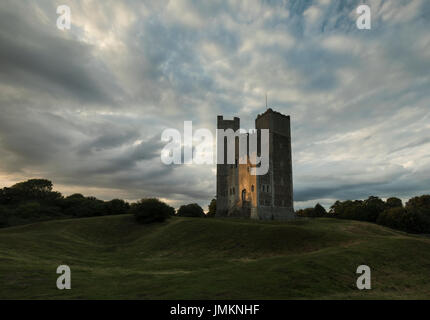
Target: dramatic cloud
[(86, 107)]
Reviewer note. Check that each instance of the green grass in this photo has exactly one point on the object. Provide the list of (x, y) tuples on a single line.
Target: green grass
[(112, 257)]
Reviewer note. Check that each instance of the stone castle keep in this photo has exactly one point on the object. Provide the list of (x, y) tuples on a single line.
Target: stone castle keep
[(265, 197)]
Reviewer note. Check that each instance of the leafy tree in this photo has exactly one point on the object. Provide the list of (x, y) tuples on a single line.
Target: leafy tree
[(319, 211), (79, 206), (116, 206), (38, 190), (34, 186), (212, 208), (392, 217), (75, 196), (150, 210), (419, 204), (404, 219), (394, 202), (348, 210), (373, 206), (191, 210)]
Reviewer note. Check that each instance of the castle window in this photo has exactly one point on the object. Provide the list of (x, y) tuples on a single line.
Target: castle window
[(252, 187), (243, 194), (262, 187), (268, 188)]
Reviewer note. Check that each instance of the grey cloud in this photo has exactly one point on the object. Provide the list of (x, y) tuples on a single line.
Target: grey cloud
[(37, 56)]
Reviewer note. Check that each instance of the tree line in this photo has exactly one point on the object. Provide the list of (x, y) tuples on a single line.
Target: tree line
[(413, 217), (34, 200)]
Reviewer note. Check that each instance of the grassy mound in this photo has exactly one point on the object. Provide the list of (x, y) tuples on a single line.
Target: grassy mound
[(193, 258)]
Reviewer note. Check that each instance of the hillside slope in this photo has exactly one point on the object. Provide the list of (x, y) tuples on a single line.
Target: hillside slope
[(191, 258)]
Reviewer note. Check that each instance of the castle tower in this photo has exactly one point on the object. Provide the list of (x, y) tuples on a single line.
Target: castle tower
[(275, 189), (227, 174), (266, 197)]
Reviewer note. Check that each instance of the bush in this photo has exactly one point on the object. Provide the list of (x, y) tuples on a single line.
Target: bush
[(151, 210), (191, 210)]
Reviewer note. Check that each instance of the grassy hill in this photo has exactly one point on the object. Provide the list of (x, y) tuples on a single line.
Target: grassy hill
[(192, 258)]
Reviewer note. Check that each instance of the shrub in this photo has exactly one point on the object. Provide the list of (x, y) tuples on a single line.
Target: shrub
[(151, 210), (191, 210)]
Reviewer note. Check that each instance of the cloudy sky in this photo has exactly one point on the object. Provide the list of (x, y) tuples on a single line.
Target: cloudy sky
[(85, 107)]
